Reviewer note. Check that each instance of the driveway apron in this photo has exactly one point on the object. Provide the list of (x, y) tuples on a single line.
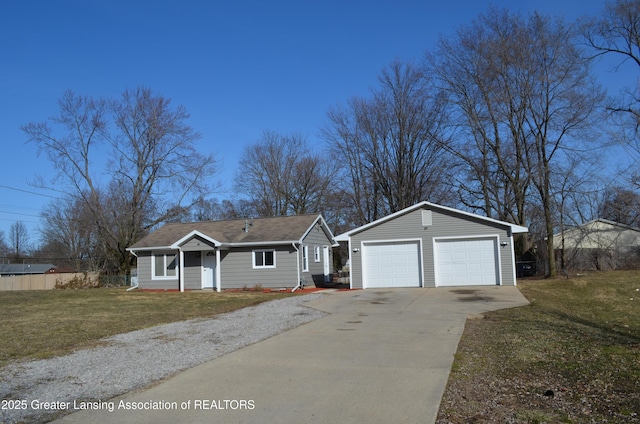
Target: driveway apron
[(380, 356)]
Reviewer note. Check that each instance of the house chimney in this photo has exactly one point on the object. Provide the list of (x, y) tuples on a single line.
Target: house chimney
[(246, 226)]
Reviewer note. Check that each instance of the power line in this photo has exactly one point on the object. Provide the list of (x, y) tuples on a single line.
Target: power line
[(18, 207), (20, 213), (21, 220), (27, 191)]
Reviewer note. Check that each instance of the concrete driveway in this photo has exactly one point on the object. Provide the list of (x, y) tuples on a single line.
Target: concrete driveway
[(380, 356)]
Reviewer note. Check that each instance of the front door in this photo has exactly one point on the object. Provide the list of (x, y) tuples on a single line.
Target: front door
[(327, 267), (208, 269)]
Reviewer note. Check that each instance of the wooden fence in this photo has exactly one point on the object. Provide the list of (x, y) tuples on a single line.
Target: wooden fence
[(42, 281)]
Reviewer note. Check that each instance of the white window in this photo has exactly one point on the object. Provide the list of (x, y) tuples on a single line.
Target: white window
[(316, 253), (305, 258), (165, 265), (264, 258)]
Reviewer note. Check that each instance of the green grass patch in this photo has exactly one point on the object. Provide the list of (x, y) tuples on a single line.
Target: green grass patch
[(41, 324), (571, 356)]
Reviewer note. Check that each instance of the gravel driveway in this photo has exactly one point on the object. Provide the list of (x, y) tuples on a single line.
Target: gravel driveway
[(134, 360)]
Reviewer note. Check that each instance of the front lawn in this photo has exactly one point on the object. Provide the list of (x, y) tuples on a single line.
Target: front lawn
[(572, 356), (41, 324)]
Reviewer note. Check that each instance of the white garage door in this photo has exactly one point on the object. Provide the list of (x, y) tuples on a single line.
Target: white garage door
[(391, 264), (470, 262)]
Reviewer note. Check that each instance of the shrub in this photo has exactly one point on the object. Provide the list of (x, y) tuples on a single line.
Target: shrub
[(77, 282)]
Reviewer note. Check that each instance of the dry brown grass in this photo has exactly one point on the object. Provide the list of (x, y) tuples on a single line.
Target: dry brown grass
[(572, 356), (41, 324)]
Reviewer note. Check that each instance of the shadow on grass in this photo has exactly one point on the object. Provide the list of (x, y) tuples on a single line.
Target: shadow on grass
[(596, 329)]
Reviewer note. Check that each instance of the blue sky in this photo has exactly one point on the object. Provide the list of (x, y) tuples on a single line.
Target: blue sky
[(239, 67)]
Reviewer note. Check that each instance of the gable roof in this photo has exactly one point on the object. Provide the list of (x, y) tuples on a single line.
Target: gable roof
[(514, 228), (17, 269), (598, 233), (261, 231), (596, 225)]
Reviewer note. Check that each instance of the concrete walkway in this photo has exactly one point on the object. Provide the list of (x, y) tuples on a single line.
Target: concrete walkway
[(381, 356)]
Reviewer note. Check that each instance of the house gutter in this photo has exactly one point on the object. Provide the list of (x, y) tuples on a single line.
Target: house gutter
[(264, 243)]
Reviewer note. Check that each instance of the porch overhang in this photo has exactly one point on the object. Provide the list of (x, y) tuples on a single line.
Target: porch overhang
[(192, 234)]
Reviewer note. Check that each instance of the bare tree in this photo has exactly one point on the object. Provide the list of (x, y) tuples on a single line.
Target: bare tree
[(346, 143), (525, 103), (214, 210), (621, 205), (281, 175), (18, 239), (562, 111), (153, 173), (480, 71), (391, 144), (4, 248), (616, 31), (70, 235)]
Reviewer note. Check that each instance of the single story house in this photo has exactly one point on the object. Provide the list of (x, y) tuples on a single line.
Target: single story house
[(276, 252), (7, 270), (428, 245), (599, 244), (598, 234)]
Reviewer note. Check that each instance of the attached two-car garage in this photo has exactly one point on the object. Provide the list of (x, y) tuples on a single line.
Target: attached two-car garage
[(448, 248)]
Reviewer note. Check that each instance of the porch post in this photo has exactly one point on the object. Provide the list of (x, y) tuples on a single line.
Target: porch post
[(218, 282), (181, 270)]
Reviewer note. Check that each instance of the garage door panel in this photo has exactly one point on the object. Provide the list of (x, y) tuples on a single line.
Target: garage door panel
[(467, 262), (391, 264)]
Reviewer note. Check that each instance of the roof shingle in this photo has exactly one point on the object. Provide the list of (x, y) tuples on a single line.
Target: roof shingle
[(261, 230)]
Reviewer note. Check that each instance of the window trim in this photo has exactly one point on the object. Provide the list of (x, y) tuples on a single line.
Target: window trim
[(253, 258), (164, 255), (316, 254), (305, 258)]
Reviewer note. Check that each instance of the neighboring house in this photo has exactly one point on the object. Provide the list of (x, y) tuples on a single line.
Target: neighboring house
[(7, 270), (428, 245), (598, 244), (276, 252)]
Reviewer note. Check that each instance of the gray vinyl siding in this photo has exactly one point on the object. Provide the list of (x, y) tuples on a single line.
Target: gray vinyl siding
[(145, 275), (315, 274), (237, 272), (444, 224), (144, 270), (192, 270)]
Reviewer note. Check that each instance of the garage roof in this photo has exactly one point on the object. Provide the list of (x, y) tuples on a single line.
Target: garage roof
[(515, 229)]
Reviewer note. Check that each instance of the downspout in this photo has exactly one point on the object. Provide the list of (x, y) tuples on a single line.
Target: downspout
[(351, 266), (513, 258), (297, 267), (137, 281)]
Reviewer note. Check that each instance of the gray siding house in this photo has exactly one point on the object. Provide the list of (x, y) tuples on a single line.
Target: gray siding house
[(428, 245), (276, 252)]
